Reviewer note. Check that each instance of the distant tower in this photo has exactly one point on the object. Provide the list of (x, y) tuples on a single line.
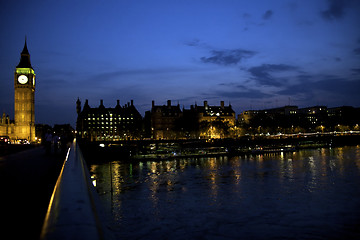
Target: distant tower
[(24, 83), (78, 106)]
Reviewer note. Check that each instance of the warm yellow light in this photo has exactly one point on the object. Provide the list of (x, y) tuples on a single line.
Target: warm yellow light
[(25, 71)]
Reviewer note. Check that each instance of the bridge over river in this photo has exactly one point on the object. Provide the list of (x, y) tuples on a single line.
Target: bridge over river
[(309, 194), (27, 180)]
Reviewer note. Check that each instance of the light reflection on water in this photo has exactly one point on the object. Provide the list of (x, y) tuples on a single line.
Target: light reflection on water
[(306, 194)]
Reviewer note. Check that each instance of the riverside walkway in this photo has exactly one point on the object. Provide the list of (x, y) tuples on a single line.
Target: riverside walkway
[(27, 180)]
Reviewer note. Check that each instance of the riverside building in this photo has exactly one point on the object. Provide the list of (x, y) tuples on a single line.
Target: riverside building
[(108, 124), (165, 120), (207, 121)]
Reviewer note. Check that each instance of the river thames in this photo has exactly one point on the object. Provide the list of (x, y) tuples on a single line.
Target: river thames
[(308, 194)]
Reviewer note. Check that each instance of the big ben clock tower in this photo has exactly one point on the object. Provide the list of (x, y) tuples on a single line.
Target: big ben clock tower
[(24, 83)]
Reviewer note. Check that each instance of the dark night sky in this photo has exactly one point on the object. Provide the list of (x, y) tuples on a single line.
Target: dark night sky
[(254, 54)]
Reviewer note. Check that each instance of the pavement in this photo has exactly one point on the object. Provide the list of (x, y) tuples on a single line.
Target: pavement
[(27, 180)]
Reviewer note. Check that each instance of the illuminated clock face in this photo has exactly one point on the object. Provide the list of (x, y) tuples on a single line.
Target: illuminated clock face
[(22, 79)]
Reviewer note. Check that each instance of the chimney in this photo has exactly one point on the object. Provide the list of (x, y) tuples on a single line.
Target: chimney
[(132, 102), (169, 103), (222, 104), (117, 102), (153, 103), (101, 102)]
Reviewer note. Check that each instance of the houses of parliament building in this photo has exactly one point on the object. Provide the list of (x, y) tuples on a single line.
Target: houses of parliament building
[(23, 125)]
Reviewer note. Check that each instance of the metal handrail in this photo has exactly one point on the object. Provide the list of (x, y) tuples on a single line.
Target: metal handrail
[(72, 211)]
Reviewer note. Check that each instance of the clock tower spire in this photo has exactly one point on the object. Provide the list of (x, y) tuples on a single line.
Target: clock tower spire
[(24, 84), (25, 58)]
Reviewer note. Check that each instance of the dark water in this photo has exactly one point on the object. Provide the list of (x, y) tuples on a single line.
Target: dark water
[(310, 194)]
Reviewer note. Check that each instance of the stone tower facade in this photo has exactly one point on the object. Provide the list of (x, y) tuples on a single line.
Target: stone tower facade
[(24, 84)]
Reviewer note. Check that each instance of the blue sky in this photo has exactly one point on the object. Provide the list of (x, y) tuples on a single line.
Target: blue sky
[(253, 54)]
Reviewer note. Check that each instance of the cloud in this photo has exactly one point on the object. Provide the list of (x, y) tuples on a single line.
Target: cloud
[(357, 51), (355, 71), (297, 89), (262, 74), (228, 57), (232, 85), (335, 10), (197, 43), (193, 43), (246, 15), (339, 86), (121, 73), (267, 15), (331, 90), (251, 94), (222, 57), (236, 91)]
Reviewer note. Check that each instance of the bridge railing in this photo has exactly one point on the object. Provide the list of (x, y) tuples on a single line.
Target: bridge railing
[(73, 208)]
